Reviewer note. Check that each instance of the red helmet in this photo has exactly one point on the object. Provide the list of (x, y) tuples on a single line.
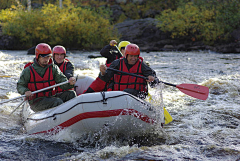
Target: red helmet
[(43, 49), (59, 50), (132, 49)]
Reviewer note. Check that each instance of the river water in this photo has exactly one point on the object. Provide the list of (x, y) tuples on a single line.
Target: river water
[(201, 130)]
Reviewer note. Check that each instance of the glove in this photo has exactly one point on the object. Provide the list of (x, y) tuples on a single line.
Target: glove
[(154, 83)]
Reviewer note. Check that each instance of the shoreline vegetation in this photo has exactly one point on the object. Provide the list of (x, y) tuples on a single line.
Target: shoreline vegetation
[(91, 24)]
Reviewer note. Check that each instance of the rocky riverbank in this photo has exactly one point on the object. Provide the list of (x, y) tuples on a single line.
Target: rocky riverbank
[(148, 37), (145, 33)]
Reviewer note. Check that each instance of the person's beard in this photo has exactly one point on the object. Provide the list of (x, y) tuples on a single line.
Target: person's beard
[(42, 65)]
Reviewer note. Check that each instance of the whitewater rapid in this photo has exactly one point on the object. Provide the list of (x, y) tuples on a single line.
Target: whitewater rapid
[(201, 130)]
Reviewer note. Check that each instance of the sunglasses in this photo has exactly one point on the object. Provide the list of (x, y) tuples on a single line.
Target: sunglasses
[(45, 55)]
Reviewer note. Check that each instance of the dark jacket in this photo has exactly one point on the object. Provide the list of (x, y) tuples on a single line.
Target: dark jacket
[(111, 53)]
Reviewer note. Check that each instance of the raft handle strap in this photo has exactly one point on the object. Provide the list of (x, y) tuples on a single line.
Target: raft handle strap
[(104, 98)]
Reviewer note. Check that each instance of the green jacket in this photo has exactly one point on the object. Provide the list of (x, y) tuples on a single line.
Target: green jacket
[(59, 77)]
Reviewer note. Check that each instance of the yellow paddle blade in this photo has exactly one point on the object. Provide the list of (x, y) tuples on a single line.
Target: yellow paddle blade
[(167, 116), (150, 97)]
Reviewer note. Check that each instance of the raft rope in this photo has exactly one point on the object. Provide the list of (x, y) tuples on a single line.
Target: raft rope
[(148, 105), (104, 98)]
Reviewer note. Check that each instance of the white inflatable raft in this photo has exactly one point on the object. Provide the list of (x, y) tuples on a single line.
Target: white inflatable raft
[(117, 111)]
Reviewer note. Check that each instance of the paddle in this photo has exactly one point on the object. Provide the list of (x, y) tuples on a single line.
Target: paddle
[(167, 116), (56, 85), (118, 50), (194, 90), (93, 56), (6, 76), (17, 107), (100, 56)]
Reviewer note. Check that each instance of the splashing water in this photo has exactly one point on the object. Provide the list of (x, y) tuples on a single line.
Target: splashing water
[(201, 130)]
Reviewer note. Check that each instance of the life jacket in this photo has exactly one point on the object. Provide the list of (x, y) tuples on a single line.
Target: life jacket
[(37, 82), (122, 81), (108, 64), (63, 68), (28, 64)]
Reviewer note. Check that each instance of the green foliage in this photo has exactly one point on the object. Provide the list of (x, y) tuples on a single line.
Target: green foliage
[(69, 26), (7, 3), (87, 23), (210, 21), (192, 22), (228, 16), (138, 10), (121, 18), (160, 4), (131, 11)]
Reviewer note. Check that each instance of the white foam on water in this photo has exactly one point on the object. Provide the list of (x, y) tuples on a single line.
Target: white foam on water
[(201, 130)]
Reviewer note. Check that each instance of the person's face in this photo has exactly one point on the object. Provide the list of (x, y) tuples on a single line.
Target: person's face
[(59, 57), (132, 59), (43, 61), (123, 51)]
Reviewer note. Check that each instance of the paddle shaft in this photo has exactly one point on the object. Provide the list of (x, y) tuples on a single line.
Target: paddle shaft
[(50, 87), (100, 56), (17, 107), (93, 56), (135, 75), (194, 90), (119, 50)]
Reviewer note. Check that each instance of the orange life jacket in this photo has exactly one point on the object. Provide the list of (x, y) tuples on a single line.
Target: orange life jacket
[(122, 81), (37, 82)]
